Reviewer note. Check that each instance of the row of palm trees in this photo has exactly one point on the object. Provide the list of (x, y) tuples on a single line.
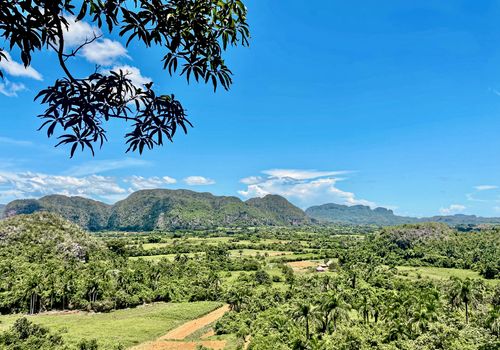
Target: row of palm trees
[(407, 313)]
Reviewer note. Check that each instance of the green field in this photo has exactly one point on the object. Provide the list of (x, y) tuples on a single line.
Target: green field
[(233, 253), (170, 257), (127, 327), (255, 252), (440, 273)]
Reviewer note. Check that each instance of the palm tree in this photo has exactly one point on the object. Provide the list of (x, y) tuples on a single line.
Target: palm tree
[(303, 312), (467, 292), (333, 308), (425, 312), (364, 303)]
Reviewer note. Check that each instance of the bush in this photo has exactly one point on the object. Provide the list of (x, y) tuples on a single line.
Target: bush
[(277, 278), (262, 277), (88, 345), (102, 306), (25, 335)]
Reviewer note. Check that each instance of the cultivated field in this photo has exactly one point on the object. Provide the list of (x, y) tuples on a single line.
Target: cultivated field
[(127, 327)]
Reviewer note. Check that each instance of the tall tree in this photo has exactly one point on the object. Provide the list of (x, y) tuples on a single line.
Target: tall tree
[(467, 292), (303, 312)]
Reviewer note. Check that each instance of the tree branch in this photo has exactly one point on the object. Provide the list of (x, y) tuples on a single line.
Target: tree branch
[(75, 51), (60, 52)]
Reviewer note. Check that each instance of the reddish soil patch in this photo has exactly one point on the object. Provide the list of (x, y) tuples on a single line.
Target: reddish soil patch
[(173, 339), (302, 264), (190, 327), (183, 345)]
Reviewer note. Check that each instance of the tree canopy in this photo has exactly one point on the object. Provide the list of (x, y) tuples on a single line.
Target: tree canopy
[(193, 34)]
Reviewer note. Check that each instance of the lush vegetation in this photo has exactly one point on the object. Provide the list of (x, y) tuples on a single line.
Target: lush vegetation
[(141, 324), (419, 286), (356, 214), (364, 215), (174, 210), (432, 245), (166, 210)]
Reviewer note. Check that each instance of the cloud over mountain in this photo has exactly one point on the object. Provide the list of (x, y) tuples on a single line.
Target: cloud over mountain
[(303, 187)]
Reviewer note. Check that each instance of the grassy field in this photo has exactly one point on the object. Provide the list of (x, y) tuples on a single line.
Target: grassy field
[(126, 327), (233, 254), (254, 252), (188, 240), (440, 273), (163, 256)]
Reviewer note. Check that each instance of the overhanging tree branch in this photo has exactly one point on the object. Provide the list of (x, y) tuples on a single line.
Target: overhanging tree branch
[(193, 34)]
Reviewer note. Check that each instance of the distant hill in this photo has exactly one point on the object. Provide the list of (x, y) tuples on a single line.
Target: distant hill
[(364, 215), (42, 236), (2, 207), (163, 209), (87, 213), (356, 215), (279, 210), (148, 210)]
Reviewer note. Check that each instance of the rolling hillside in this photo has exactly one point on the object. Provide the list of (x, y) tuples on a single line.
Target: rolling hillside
[(364, 215), (165, 209)]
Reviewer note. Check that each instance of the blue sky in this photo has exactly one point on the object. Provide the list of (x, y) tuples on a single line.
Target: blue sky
[(390, 104)]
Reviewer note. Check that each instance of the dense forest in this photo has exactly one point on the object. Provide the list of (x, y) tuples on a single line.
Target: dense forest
[(162, 209), (363, 301)]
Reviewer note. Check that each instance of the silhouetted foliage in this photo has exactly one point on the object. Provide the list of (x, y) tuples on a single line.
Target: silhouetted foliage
[(193, 33)]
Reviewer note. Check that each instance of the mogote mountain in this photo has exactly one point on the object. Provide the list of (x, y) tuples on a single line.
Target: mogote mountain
[(165, 209), (162, 209), (364, 215)]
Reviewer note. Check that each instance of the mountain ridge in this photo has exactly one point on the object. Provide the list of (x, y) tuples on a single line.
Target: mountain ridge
[(364, 215), (164, 209)]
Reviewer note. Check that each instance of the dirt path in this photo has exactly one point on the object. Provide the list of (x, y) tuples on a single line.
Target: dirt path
[(173, 340), (183, 345), (190, 327)]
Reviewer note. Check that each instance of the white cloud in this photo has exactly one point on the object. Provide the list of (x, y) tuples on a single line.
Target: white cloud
[(29, 185), (141, 183), (453, 209), (198, 181), (101, 51), (134, 74), (11, 89), (251, 180), (485, 187), (11, 141), (104, 51), (17, 69), (100, 166), (78, 32), (303, 187), (20, 185), (301, 174)]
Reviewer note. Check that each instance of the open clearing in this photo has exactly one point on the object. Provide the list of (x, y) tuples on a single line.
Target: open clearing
[(187, 328), (302, 265), (142, 324), (255, 252), (440, 273), (182, 345)]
